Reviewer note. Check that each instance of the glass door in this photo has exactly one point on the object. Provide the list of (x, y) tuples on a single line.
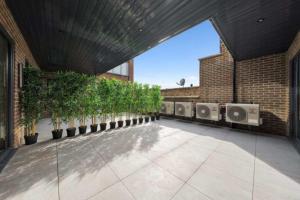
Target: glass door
[(295, 104), (4, 48)]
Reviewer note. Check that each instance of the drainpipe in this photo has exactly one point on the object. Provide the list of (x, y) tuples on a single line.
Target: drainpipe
[(234, 88)]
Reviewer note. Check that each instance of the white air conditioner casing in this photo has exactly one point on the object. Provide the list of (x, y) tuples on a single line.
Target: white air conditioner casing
[(243, 114), (167, 107), (209, 111), (184, 109)]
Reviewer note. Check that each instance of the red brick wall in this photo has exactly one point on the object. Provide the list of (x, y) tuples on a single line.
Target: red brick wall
[(264, 81), (216, 77), (21, 52), (174, 94)]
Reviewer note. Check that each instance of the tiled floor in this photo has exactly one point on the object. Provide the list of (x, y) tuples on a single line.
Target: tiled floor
[(167, 159)]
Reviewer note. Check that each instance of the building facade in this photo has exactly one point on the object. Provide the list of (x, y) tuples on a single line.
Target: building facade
[(264, 80), (123, 72)]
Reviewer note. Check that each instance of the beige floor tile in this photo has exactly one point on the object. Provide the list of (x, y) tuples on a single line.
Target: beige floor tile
[(115, 192), (184, 161), (189, 193), (220, 186), (152, 183), (271, 184)]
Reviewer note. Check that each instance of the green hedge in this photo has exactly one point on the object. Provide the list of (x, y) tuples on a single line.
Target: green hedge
[(73, 96)]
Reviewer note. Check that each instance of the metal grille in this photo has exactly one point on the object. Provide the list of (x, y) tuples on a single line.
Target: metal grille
[(236, 113), (203, 111)]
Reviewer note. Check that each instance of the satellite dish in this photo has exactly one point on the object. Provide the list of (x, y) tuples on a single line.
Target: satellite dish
[(181, 82)]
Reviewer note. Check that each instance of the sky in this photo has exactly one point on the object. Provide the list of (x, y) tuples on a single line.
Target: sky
[(177, 57)]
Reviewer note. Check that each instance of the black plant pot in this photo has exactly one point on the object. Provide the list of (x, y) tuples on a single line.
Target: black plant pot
[(57, 134), (134, 121), (152, 118), (94, 128), (71, 132), (120, 123), (128, 122), (31, 139), (146, 119), (102, 126), (82, 129), (157, 117), (141, 120), (112, 125)]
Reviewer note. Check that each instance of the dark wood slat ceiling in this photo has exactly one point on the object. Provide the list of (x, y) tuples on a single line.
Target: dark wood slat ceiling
[(96, 35), (246, 38)]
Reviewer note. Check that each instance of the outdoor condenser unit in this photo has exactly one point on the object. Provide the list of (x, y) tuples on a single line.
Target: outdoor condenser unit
[(184, 109), (243, 114), (167, 107), (209, 111)]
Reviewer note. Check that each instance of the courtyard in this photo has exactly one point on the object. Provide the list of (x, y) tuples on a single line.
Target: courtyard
[(161, 160)]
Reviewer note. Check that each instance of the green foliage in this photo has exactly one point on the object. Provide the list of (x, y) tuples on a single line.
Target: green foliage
[(83, 102), (70, 85), (156, 98), (32, 99), (56, 97), (103, 93), (72, 95), (92, 99)]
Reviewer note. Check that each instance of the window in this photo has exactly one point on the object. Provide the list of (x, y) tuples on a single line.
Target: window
[(120, 70)]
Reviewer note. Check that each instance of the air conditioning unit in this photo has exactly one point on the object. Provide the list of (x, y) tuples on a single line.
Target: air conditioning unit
[(243, 114), (184, 109), (209, 111), (167, 107)]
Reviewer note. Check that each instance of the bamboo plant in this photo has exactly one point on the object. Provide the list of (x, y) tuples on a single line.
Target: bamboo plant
[(92, 102), (55, 103), (32, 99)]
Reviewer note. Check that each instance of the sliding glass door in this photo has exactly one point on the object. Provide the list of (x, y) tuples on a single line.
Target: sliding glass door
[(295, 103), (4, 55)]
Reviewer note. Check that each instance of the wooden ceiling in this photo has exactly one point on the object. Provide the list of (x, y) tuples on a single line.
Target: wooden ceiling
[(96, 35)]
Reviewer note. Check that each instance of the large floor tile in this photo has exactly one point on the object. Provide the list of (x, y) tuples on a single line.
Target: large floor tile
[(30, 187), (115, 192), (82, 173), (271, 184), (189, 193), (220, 186), (184, 161), (152, 183), (231, 166), (124, 165)]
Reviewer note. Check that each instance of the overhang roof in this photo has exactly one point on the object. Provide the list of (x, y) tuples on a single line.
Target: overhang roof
[(95, 36)]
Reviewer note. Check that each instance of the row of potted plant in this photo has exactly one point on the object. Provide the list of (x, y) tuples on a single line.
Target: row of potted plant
[(71, 96)]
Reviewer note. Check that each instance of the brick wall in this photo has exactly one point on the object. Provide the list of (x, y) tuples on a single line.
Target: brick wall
[(264, 81), (21, 52), (216, 77), (181, 94)]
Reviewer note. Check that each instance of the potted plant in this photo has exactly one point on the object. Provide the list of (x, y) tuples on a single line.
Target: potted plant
[(112, 102), (157, 100), (139, 102), (93, 102), (135, 103), (71, 87), (120, 102), (104, 104), (32, 97), (55, 103), (146, 102), (82, 102), (128, 101)]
